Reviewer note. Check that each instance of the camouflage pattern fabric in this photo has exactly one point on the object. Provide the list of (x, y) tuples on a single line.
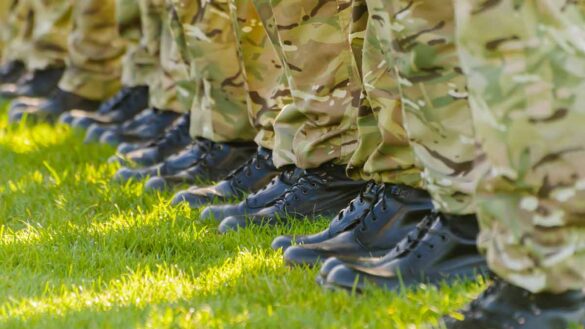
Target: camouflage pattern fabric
[(173, 71), (264, 79), (129, 21), (95, 51), (420, 37), (383, 152), (7, 13), (36, 32), (311, 40), (219, 110), (142, 61), (526, 90)]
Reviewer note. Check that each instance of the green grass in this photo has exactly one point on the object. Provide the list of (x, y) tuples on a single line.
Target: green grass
[(77, 251)]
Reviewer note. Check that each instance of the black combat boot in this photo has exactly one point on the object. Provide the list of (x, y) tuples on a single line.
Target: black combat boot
[(173, 165), (397, 212), (446, 251), (59, 102), (346, 219), (96, 131), (216, 163), (12, 71), (265, 197), (143, 128), (174, 140), (249, 178), (127, 103), (372, 261), (323, 191), (39, 84), (504, 306)]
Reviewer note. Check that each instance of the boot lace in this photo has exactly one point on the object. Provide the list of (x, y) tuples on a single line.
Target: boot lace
[(413, 238), (309, 181), (370, 188), (256, 162), (174, 135)]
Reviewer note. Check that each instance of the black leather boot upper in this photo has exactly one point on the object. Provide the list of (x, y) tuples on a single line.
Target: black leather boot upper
[(397, 212), (506, 306), (128, 102), (250, 177), (174, 140), (59, 102), (96, 131), (144, 128), (12, 71), (40, 83), (446, 251), (323, 191), (345, 220), (217, 161), (255, 202), (172, 165)]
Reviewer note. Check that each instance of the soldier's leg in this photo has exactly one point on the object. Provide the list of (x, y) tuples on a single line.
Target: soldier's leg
[(137, 68), (319, 67), (16, 40), (266, 93), (318, 63), (383, 154), (419, 41), (51, 24), (161, 130), (5, 11), (95, 51), (526, 85), (219, 120), (93, 64)]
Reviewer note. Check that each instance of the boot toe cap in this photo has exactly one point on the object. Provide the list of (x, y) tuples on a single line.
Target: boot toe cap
[(194, 200), (126, 174), (66, 118), (328, 266), (94, 133), (82, 122), (232, 223), (126, 148), (282, 242), (15, 116), (110, 138), (301, 256), (345, 278), (156, 184)]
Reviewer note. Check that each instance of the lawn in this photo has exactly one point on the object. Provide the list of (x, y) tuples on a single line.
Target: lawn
[(78, 251)]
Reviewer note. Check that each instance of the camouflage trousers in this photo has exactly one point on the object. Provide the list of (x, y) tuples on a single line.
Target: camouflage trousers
[(383, 153), (414, 122), (310, 39), (265, 83), (35, 32), (526, 88), (219, 107), (94, 51), (6, 11), (171, 75)]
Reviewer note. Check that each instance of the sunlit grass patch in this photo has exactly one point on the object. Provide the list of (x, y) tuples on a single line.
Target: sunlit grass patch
[(78, 251)]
